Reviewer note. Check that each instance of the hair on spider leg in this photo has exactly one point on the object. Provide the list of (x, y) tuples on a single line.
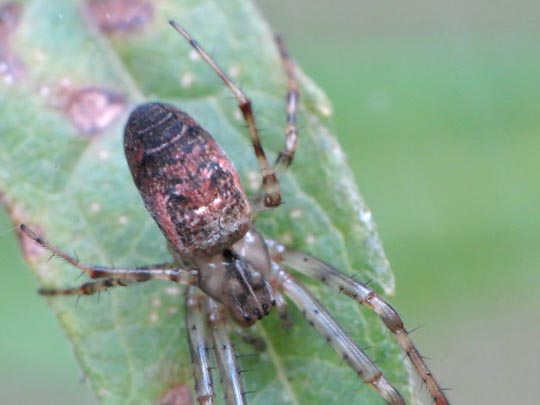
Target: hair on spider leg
[(352, 276), (249, 392), (228, 97), (9, 230), (232, 344), (368, 348), (246, 370), (263, 129), (411, 331), (382, 362), (81, 273)]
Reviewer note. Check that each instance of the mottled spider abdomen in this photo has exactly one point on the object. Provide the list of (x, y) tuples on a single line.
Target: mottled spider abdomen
[(187, 182)]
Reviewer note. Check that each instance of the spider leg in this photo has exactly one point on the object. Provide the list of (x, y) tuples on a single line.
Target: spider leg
[(322, 321), (272, 196), (231, 381), (286, 155), (198, 345), (90, 287), (138, 274), (318, 270)]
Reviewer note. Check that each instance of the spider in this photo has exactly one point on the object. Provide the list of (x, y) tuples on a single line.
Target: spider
[(233, 274)]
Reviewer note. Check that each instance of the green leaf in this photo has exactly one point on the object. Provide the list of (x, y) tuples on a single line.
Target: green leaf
[(63, 172)]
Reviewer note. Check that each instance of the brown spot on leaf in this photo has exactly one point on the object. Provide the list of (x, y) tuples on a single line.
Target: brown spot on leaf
[(11, 66), (10, 15), (91, 109), (178, 395), (113, 16)]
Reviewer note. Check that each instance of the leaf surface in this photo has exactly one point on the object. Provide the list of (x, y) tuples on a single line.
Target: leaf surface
[(63, 172)]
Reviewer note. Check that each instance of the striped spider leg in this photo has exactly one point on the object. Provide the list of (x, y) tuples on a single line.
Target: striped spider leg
[(109, 277), (318, 270), (272, 194)]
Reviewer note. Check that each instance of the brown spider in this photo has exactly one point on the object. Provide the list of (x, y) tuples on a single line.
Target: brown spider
[(194, 194)]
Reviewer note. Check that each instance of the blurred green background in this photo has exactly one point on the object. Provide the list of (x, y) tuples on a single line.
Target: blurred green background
[(437, 105)]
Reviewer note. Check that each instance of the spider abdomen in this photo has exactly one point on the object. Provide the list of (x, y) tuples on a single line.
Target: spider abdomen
[(187, 182)]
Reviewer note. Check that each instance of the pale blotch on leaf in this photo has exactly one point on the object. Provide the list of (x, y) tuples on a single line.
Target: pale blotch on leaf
[(234, 71), (337, 152), (65, 82), (173, 291), (286, 239), (44, 91), (297, 213), (38, 56), (153, 317), (365, 215), (104, 393), (238, 115), (103, 154), (254, 180), (325, 110), (194, 55), (95, 207), (187, 80)]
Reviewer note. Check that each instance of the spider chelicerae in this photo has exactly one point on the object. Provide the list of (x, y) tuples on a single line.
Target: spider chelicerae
[(233, 273)]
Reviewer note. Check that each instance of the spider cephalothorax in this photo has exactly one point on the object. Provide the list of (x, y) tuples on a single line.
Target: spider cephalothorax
[(234, 274)]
